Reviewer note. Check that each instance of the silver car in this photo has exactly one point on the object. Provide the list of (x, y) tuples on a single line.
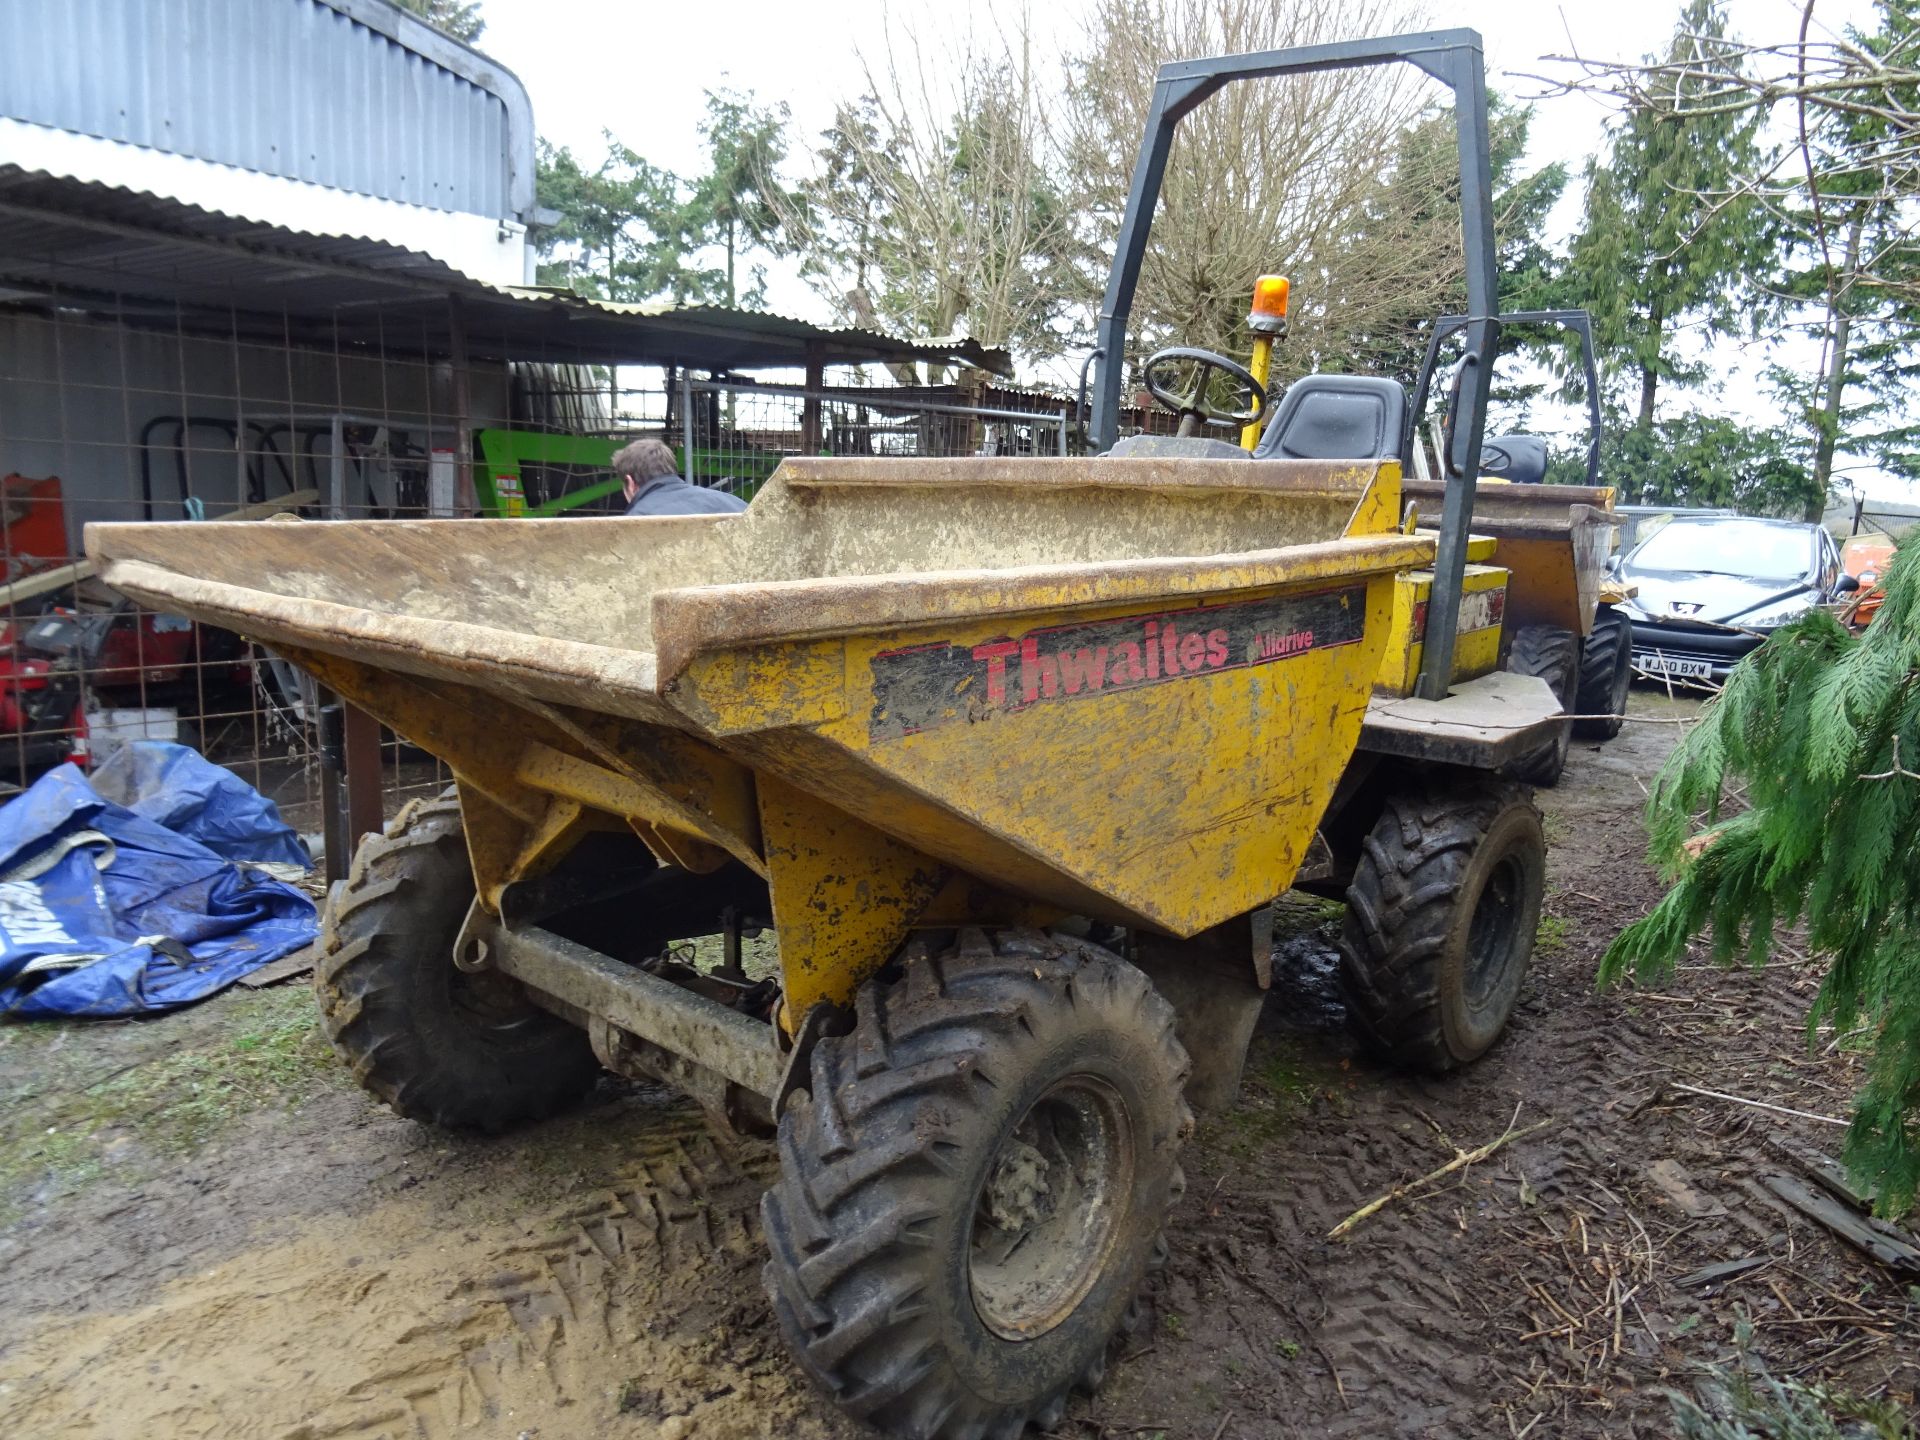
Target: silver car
[(1712, 587)]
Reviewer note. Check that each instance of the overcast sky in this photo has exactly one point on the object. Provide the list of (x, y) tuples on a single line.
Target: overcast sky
[(641, 70)]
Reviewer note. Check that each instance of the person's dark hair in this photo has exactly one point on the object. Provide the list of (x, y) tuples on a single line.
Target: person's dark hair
[(644, 460)]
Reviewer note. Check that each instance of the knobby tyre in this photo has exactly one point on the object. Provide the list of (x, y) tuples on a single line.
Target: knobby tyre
[(1606, 675), (973, 1190), (1441, 918), (1552, 655), (435, 1043)]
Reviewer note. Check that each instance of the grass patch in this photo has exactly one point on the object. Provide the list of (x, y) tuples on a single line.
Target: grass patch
[(1298, 913), (1274, 1090), (179, 1101), (1552, 936), (1284, 1078), (759, 954), (80, 1098)]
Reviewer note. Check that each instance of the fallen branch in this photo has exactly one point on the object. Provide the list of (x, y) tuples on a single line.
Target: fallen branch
[(1759, 1104), (1897, 770), (1459, 1162)]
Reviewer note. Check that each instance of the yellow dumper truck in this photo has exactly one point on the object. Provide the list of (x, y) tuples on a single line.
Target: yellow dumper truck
[(937, 724), (1556, 542)]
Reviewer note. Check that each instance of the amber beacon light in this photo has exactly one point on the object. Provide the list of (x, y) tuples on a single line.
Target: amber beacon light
[(1269, 316), (1268, 321)]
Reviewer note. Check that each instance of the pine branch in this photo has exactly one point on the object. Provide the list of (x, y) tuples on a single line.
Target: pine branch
[(1816, 725)]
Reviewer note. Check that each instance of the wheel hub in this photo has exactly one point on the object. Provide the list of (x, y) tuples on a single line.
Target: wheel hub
[(1019, 1196), (1492, 931), (1048, 1214)]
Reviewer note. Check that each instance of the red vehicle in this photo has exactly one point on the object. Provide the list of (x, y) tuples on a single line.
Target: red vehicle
[(57, 665), (41, 709), (57, 662)]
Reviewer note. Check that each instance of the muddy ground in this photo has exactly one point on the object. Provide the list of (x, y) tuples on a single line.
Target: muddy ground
[(206, 1232)]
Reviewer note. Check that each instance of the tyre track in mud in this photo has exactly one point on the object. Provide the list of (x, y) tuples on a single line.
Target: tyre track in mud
[(1539, 1284), (599, 1274), (1426, 1362), (1405, 1316), (588, 1301), (635, 1298)]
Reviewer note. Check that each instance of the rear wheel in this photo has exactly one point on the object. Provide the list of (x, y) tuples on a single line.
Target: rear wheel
[(1440, 921), (1606, 672), (973, 1190), (434, 1042), (1552, 655)]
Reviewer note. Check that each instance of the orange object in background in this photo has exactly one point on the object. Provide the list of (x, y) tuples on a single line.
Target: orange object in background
[(1865, 558), (1270, 295), (33, 525)]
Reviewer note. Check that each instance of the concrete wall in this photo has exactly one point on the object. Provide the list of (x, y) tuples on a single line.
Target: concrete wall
[(76, 393)]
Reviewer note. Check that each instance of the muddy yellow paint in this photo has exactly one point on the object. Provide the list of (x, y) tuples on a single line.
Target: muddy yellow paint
[(502, 848), (1378, 510), (802, 687), (1261, 364), (844, 895), (1175, 804), (1476, 651), (1555, 541), (692, 805), (965, 900)]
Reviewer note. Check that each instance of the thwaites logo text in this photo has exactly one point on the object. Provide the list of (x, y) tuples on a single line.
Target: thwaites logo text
[(926, 686)]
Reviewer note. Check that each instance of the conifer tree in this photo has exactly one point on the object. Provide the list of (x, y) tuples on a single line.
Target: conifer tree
[(1823, 729), (618, 235), (1670, 241), (737, 205)]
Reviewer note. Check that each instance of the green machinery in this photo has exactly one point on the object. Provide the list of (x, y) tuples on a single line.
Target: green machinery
[(503, 455)]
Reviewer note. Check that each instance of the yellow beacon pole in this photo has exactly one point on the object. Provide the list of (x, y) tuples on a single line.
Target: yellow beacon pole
[(1268, 323)]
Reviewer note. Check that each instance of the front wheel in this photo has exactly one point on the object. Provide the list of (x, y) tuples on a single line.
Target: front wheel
[(1440, 921), (972, 1192), (1606, 674)]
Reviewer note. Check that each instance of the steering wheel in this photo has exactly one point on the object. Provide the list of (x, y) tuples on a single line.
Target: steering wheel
[(1192, 407)]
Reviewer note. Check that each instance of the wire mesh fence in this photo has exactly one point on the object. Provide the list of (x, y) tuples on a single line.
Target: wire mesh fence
[(117, 411), (118, 408), (742, 430)]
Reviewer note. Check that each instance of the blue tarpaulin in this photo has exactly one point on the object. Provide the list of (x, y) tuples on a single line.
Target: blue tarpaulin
[(144, 889)]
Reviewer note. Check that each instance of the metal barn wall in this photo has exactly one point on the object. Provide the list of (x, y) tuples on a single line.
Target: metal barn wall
[(350, 94), (79, 395)]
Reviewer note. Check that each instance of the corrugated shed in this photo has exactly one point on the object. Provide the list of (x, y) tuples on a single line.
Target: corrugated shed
[(153, 260), (345, 93)]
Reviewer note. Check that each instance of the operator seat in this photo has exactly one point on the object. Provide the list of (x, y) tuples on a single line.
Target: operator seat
[(1519, 458), (1337, 417), (1321, 417)]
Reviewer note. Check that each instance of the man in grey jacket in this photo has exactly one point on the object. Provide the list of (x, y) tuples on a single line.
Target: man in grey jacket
[(653, 487)]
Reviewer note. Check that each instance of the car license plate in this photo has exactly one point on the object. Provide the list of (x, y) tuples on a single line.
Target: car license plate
[(1677, 666)]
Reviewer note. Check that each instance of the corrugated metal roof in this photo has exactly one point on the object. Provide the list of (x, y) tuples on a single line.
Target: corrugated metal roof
[(154, 260), (351, 94)]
